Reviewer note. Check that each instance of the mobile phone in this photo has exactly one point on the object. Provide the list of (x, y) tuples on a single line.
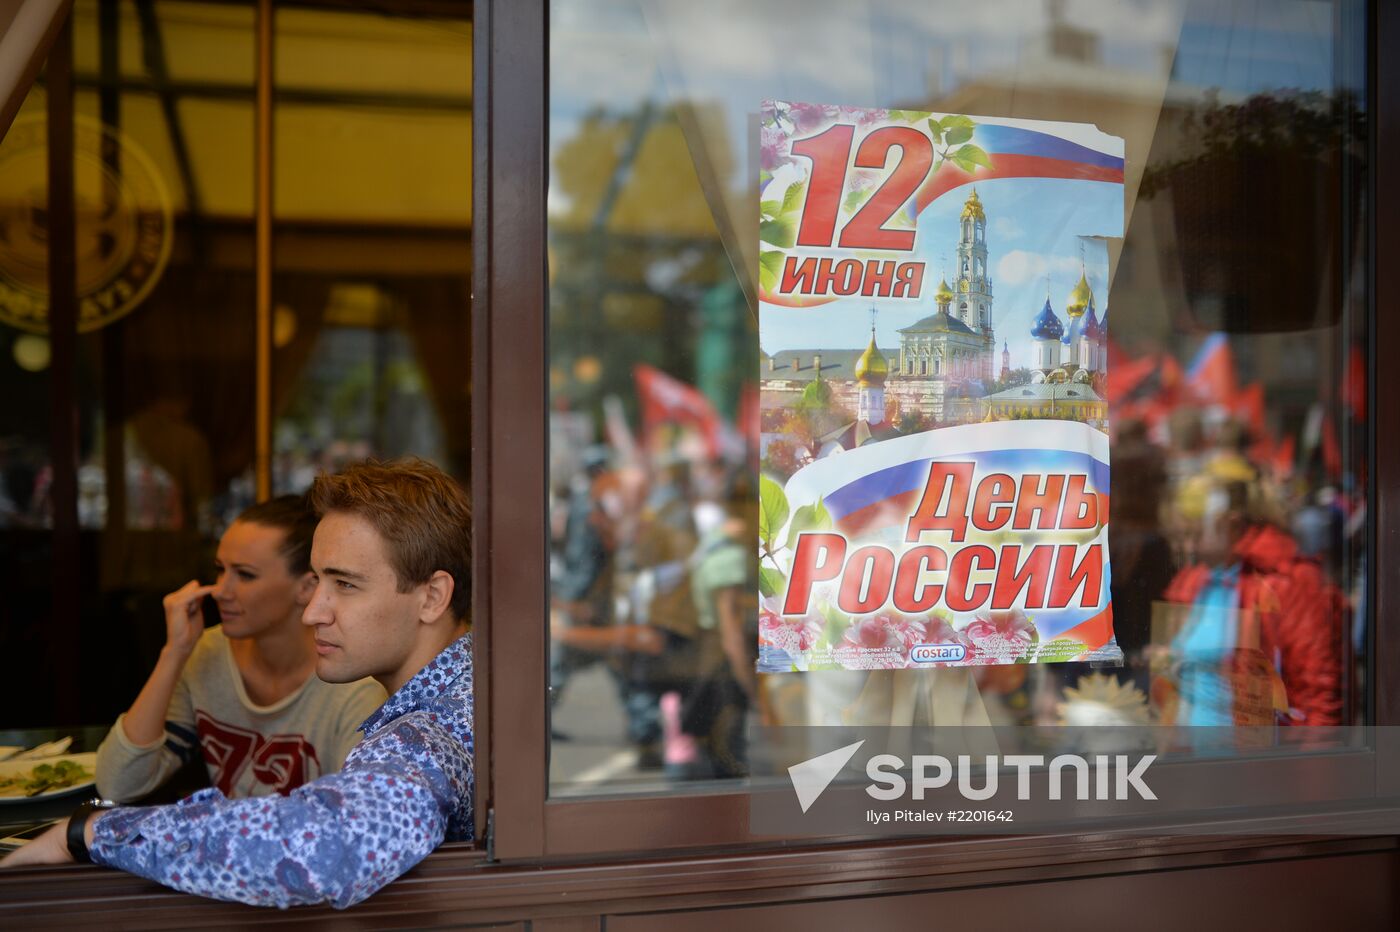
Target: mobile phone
[(210, 610)]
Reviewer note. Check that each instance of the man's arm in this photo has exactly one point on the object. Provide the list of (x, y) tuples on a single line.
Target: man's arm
[(335, 840)]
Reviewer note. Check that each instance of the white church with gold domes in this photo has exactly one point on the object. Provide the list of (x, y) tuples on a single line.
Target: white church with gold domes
[(1068, 363), (942, 366)]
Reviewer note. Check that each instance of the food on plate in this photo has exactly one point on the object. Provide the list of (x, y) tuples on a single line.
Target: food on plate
[(44, 777)]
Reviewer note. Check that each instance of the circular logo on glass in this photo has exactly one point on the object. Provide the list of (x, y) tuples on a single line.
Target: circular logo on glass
[(124, 228)]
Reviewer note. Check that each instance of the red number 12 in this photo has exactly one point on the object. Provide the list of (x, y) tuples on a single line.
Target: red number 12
[(830, 151)]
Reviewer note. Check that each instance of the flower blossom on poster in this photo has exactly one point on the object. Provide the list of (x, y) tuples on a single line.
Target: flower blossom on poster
[(1000, 637), (880, 642), (788, 121), (941, 631), (794, 635)]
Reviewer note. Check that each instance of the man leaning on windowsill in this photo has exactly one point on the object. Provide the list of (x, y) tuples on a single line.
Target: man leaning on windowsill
[(392, 557)]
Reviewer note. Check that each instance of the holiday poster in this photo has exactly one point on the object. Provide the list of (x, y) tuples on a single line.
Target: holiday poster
[(933, 323)]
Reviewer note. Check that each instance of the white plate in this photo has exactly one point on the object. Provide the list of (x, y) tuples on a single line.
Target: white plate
[(12, 767)]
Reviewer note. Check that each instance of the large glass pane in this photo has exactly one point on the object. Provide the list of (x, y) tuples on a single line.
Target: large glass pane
[(1237, 351), (372, 232), (165, 219), (26, 515), (163, 136)]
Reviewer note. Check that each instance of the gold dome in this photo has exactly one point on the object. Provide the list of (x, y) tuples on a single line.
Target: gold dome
[(973, 207), (944, 294), (872, 367), (1078, 301)]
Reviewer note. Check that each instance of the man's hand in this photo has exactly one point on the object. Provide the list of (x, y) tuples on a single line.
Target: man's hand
[(49, 848), (184, 621)]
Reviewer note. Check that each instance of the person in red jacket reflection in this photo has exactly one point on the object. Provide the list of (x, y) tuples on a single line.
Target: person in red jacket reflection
[(1263, 630)]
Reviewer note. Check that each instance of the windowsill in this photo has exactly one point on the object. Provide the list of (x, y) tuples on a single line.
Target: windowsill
[(457, 883)]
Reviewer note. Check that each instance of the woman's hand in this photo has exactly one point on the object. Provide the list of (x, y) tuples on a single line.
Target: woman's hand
[(184, 620), (184, 625)]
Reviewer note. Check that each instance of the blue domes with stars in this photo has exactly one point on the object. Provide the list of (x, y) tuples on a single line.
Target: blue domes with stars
[(1046, 325)]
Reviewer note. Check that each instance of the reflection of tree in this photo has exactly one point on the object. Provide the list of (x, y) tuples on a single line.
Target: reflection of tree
[(638, 270), (913, 422), (336, 402), (1013, 378), (814, 415), (1258, 205), (1308, 125)]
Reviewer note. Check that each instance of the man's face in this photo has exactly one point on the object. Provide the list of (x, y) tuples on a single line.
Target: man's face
[(364, 625)]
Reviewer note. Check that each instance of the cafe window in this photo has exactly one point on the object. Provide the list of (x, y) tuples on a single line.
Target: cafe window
[(208, 374), (625, 410), (1236, 411)]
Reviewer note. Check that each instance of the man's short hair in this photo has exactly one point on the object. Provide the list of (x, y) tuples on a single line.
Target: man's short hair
[(422, 513)]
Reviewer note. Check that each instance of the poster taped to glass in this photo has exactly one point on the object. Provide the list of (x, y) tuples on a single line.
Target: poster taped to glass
[(934, 332)]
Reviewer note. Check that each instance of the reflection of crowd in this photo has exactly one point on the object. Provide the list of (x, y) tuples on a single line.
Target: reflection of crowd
[(653, 578), (1227, 591), (24, 483), (1227, 594)]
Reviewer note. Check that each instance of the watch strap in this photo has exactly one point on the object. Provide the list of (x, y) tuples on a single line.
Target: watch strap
[(77, 831)]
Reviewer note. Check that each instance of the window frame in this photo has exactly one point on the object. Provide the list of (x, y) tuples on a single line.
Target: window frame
[(513, 47)]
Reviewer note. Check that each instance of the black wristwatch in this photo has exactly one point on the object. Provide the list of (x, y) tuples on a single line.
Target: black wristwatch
[(77, 829)]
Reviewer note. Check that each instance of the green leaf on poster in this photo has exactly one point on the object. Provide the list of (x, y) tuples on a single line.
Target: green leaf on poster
[(837, 622), (781, 232), (769, 210), (792, 198), (956, 121), (968, 157), (773, 511), (770, 581), (808, 518), (936, 130), (959, 135), (770, 263)]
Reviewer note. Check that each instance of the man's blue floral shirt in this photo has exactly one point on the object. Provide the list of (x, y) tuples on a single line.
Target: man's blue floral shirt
[(405, 788)]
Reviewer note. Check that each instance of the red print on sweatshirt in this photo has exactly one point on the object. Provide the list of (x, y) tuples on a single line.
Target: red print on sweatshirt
[(282, 762)]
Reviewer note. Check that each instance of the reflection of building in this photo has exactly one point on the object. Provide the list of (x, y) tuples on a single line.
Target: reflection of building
[(944, 360)]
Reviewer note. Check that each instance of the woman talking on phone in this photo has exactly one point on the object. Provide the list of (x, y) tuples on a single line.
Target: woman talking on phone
[(243, 694)]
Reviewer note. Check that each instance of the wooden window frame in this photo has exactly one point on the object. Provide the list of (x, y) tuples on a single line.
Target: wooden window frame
[(526, 823)]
